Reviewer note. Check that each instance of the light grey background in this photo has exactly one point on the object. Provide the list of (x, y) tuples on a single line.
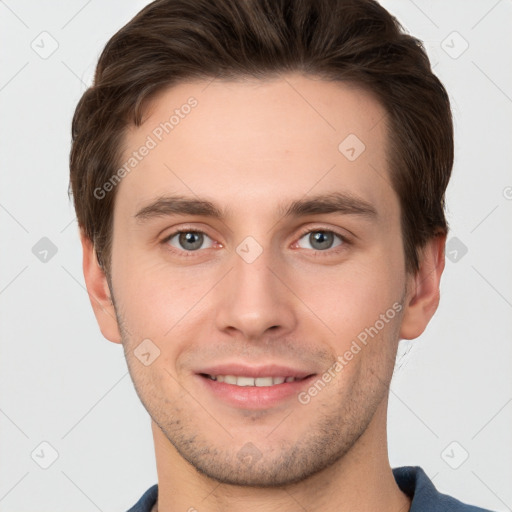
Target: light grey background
[(61, 383)]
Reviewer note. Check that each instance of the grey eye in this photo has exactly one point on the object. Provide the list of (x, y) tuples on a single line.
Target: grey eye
[(189, 240), (320, 240)]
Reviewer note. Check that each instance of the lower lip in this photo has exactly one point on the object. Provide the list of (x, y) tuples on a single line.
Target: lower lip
[(255, 397)]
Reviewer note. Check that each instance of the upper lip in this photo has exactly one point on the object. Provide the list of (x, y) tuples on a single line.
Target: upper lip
[(268, 370)]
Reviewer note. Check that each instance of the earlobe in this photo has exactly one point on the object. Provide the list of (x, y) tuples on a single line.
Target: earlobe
[(423, 289), (99, 292)]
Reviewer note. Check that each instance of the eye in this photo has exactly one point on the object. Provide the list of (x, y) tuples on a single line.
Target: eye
[(189, 240), (320, 240)]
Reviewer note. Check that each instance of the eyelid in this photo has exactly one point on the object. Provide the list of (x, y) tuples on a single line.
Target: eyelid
[(306, 230), (185, 229), (345, 238)]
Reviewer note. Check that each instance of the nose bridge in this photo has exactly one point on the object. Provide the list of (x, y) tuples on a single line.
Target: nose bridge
[(253, 299)]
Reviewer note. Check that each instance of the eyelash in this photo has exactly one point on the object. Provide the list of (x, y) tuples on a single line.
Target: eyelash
[(183, 253)]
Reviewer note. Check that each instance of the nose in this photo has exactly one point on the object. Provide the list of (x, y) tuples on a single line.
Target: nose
[(254, 301)]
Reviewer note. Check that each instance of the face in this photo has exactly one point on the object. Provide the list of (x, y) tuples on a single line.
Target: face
[(260, 238)]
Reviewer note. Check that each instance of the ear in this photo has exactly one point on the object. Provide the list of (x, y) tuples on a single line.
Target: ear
[(422, 296), (99, 292)]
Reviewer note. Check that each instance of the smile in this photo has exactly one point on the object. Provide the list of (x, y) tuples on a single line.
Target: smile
[(251, 381)]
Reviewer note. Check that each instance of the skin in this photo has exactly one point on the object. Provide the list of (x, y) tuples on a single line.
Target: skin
[(249, 147)]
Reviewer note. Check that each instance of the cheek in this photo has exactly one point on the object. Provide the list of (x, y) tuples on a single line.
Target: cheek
[(153, 296), (349, 298)]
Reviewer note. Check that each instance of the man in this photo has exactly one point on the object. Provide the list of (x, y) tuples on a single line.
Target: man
[(260, 191)]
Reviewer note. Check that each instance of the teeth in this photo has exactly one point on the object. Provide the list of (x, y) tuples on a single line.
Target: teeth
[(264, 381), (244, 381), (251, 381)]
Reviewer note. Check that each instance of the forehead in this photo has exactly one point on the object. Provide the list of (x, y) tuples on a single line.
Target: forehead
[(244, 142)]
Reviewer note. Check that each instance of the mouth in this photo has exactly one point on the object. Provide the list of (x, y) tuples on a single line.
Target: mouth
[(254, 388), (243, 381)]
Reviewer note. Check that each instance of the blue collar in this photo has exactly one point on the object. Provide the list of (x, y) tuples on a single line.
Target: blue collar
[(411, 480)]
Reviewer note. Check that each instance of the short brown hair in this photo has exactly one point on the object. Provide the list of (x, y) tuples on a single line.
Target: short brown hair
[(354, 41)]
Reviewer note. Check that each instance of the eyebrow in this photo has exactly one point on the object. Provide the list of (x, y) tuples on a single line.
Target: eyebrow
[(335, 202)]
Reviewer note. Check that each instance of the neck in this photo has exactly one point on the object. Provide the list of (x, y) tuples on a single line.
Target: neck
[(361, 480)]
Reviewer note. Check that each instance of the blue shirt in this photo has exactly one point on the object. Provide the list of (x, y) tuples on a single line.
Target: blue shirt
[(412, 481)]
